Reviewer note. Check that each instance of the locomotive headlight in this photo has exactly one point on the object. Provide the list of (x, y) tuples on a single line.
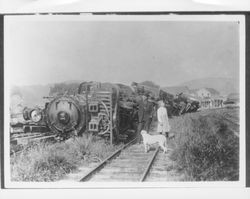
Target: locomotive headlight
[(36, 115)]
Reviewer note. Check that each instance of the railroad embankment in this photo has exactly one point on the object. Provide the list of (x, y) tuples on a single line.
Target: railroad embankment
[(206, 145)]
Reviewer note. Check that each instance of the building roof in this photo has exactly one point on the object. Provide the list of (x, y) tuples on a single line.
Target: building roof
[(211, 90)]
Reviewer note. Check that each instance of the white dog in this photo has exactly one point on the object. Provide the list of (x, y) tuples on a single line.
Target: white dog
[(153, 139)]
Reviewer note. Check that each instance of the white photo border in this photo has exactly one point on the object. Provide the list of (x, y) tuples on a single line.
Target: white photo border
[(89, 17)]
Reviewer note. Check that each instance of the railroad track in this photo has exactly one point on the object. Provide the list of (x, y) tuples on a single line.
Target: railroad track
[(28, 137), (129, 163), (19, 141)]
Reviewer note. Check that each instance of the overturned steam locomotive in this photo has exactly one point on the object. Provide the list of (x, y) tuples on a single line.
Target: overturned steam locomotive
[(105, 109), (109, 110)]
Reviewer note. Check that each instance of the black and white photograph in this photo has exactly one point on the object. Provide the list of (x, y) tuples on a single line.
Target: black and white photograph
[(124, 101)]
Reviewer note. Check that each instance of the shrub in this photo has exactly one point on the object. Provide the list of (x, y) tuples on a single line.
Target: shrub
[(206, 147), (50, 162)]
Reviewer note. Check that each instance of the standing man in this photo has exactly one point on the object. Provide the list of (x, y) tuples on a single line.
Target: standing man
[(149, 112), (145, 115)]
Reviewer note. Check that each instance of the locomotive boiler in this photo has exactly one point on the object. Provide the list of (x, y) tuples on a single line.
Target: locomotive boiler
[(99, 108)]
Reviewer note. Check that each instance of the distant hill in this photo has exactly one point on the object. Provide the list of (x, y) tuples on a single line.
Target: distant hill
[(63, 88), (224, 86), (150, 84), (174, 90)]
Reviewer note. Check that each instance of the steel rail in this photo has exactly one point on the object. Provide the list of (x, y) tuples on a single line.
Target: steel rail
[(31, 140), (104, 162), (43, 137), (144, 176)]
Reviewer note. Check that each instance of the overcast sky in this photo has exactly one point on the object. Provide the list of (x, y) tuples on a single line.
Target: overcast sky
[(168, 53)]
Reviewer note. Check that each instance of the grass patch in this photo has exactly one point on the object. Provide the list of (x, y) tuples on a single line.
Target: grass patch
[(206, 146), (51, 161)]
